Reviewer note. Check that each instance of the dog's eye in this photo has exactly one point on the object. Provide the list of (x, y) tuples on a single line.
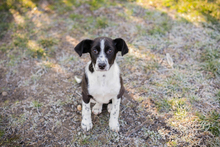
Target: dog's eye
[(109, 51), (95, 51)]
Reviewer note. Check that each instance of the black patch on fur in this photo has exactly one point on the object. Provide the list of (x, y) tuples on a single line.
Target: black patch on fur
[(122, 90), (83, 47), (85, 94), (91, 69), (121, 46)]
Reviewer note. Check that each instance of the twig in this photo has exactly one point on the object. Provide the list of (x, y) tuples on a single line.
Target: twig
[(136, 129)]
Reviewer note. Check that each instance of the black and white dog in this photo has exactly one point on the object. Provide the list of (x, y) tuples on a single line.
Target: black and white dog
[(102, 81)]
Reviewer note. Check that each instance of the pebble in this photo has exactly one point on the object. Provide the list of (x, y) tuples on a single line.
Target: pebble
[(79, 107), (4, 93)]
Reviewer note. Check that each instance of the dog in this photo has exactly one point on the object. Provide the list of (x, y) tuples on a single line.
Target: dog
[(101, 82)]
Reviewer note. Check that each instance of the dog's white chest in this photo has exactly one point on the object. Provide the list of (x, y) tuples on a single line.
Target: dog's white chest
[(104, 86)]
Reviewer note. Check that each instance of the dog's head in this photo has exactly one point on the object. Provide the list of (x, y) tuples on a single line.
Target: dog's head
[(102, 51)]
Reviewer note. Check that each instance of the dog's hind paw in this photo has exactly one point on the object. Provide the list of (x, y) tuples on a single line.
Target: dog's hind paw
[(97, 109)]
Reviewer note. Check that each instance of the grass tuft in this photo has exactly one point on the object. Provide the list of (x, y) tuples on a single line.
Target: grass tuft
[(210, 58), (211, 122), (45, 43), (37, 104), (101, 22)]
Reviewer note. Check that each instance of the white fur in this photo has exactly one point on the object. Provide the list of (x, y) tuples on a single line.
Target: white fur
[(113, 121), (97, 108), (104, 85), (86, 123)]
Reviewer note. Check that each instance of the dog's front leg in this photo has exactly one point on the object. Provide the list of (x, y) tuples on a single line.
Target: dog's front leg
[(113, 122), (86, 123)]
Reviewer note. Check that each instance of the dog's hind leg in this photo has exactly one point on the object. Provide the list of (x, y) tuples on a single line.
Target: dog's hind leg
[(97, 109)]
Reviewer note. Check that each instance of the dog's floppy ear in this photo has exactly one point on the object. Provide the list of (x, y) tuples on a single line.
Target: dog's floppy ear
[(121, 46), (83, 47)]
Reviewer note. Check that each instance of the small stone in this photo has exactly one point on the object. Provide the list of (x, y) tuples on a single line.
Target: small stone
[(79, 107), (4, 93)]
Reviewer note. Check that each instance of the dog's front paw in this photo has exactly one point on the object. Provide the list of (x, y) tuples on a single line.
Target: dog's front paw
[(86, 124), (97, 109), (114, 125)]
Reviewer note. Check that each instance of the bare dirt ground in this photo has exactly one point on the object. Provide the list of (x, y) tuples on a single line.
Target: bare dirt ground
[(166, 103)]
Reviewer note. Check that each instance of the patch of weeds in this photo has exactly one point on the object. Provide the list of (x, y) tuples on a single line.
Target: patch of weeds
[(19, 5), (194, 99), (34, 78), (84, 140), (62, 6), (210, 54), (173, 143), (210, 122), (213, 67), (75, 16), (37, 52), (1, 133), (210, 58), (218, 96), (96, 4), (36, 104), (20, 40), (152, 65), (45, 43), (101, 22), (160, 28), (153, 135), (205, 9), (163, 105), (129, 59), (48, 65), (3, 48), (141, 30), (161, 25), (3, 29)]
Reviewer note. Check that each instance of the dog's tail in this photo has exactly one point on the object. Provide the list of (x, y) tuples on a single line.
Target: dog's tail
[(78, 80)]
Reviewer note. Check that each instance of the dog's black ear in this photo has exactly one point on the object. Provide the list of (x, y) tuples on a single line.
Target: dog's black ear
[(121, 46), (83, 47)]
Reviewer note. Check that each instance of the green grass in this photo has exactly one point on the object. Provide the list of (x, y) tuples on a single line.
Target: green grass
[(76, 16), (36, 104), (101, 22), (198, 10), (96, 4), (45, 43), (36, 52), (218, 96), (210, 58), (211, 122)]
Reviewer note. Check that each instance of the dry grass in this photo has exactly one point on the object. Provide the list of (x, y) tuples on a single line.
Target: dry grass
[(165, 104)]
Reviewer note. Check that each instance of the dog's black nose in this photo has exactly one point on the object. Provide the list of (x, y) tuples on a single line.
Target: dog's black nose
[(102, 65)]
